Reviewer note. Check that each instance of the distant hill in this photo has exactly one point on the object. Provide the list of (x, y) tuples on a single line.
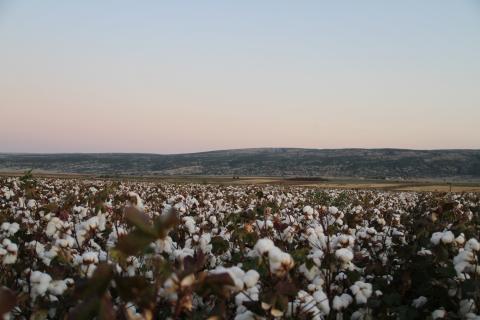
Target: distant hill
[(352, 163)]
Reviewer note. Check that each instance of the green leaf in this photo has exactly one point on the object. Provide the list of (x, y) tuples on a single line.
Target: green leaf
[(219, 245)]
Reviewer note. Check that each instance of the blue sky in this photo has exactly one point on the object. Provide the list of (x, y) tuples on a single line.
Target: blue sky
[(166, 77)]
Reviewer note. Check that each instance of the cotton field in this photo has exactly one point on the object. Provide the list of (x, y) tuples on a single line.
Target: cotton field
[(83, 249)]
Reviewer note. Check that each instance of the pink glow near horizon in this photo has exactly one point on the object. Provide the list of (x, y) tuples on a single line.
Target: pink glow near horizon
[(227, 76)]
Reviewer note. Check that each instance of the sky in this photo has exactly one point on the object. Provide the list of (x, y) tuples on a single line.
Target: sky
[(188, 76)]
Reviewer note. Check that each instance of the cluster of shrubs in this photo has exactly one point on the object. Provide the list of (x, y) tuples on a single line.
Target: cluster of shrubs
[(84, 249)]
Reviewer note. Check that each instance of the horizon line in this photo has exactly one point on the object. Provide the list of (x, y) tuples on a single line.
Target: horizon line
[(234, 149)]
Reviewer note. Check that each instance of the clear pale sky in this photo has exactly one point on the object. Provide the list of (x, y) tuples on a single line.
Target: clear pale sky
[(185, 76)]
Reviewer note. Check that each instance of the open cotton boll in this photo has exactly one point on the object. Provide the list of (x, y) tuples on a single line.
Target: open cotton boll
[(344, 255), (308, 210), (10, 228), (235, 273), (333, 210), (213, 220), (90, 257), (54, 226), (279, 261), (11, 253), (322, 301), (419, 302), (460, 239), (251, 278), (263, 246), (472, 245), (39, 283), (31, 203), (342, 302), (439, 314), (163, 245), (135, 201), (444, 237), (189, 223), (311, 273), (247, 315), (58, 287), (467, 306), (181, 254), (448, 237), (204, 243), (424, 252), (362, 291)]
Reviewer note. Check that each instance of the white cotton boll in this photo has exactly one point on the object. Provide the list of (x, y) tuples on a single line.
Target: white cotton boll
[(213, 220), (235, 273), (164, 245), (248, 315), (344, 255), (460, 239), (308, 210), (424, 252), (333, 210), (31, 203), (344, 240), (342, 302), (311, 273), (362, 291), (21, 202), (5, 226), (341, 277), (322, 301), (136, 201), (472, 245), (189, 223), (467, 306), (181, 254), (57, 287), (90, 257), (251, 278), (241, 298), (68, 242), (463, 261), (14, 227), (439, 314), (436, 238), (263, 246), (204, 243), (316, 256), (448, 237), (52, 227), (419, 302), (10, 228), (10, 252), (279, 261), (39, 282), (360, 314), (48, 256)]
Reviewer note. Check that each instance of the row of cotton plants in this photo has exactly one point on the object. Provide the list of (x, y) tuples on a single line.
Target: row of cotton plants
[(83, 249)]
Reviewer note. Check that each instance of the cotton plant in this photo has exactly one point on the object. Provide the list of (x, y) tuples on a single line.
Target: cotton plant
[(235, 252)]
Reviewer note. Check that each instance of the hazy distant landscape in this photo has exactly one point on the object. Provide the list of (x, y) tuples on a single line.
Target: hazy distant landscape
[(397, 164)]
